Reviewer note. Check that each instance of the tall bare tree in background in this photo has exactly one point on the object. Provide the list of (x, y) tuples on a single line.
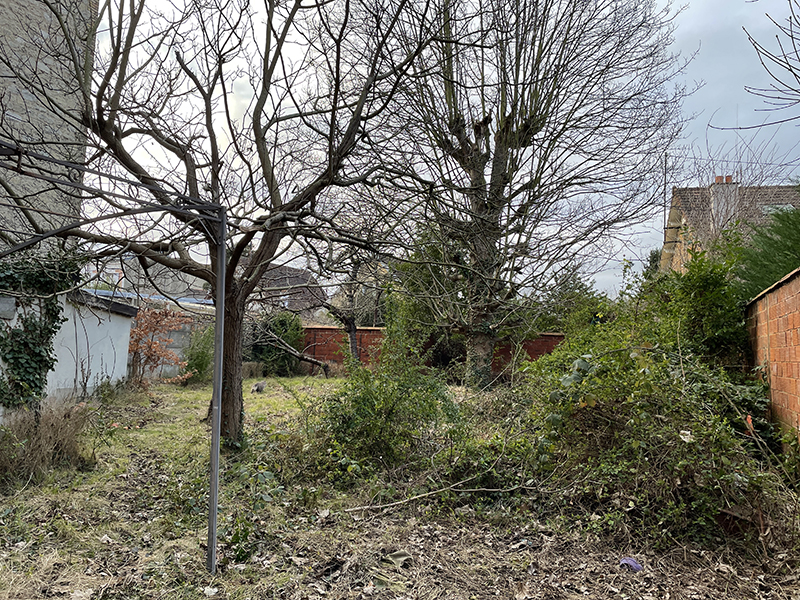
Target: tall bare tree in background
[(540, 127), (782, 62), (264, 107)]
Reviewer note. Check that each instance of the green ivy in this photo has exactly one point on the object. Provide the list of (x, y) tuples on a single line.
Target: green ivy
[(26, 348)]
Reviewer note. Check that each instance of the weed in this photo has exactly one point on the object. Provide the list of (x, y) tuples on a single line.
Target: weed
[(33, 441), (200, 354)]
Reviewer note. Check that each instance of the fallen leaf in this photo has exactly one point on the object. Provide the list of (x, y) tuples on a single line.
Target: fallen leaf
[(399, 558), (521, 591), (210, 591)]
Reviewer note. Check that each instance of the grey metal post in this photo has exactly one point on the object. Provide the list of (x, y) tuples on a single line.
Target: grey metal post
[(216, 399)]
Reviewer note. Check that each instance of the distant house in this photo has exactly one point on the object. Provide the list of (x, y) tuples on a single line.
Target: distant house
[(289, 288), (281, 288), (698, 215)]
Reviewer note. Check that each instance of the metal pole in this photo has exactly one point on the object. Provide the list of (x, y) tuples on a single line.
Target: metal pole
[(216, 399)]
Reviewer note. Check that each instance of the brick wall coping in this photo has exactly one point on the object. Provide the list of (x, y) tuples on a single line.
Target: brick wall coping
[(786, 279)]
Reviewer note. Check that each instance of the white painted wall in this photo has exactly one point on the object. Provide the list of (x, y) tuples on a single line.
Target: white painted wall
[(91, 347)]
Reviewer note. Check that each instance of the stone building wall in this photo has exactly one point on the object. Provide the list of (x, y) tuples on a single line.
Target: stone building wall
[(40, 104)]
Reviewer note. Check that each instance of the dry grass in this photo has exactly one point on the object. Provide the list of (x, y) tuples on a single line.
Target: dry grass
[(32, 442), (135, 527)]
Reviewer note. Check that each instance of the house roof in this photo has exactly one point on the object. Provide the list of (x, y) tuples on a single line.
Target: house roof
[(293, 288), (93, 300), (748, 204)]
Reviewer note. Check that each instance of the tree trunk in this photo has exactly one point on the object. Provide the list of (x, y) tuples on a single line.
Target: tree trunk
[(232, 407), (349, 323), (480, 352)]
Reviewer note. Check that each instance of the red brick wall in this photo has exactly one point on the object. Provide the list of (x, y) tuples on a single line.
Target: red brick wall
[(326, 344), (535, 348), (773, 321)]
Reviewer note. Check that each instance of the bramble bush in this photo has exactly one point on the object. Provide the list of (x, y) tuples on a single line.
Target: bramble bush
[(645, 435)]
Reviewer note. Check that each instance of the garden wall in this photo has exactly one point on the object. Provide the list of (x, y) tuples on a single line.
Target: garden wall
[(773, 322), (544, 344), (326, 344)]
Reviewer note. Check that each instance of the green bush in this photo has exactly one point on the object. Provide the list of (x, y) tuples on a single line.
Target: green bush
[(200, 354), (632, 419), (772, 252), (383, 415), (707, 307), (276, 360)]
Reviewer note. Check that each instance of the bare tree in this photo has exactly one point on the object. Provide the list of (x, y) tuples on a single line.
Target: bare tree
[(783, 65), (357, 275), (539, 129), (263, 107)]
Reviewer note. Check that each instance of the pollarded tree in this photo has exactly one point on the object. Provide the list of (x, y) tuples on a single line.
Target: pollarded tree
[(539, 127), (262, 107)]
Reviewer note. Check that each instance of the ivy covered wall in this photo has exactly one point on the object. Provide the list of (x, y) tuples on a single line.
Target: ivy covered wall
[(31, 316)]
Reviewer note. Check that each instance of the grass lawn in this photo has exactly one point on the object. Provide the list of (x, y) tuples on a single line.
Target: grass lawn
[(132, 524)]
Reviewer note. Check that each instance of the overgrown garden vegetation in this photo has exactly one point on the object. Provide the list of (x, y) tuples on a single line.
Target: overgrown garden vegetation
[(644, 429)]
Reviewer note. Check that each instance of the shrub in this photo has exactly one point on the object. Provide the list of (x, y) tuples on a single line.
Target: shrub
[(383, 415), (277, 361), (707, 307), (200, 353), (772, 252), (148, 343)]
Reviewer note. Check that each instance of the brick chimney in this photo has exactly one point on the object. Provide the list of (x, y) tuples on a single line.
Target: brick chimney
[(724, 202)]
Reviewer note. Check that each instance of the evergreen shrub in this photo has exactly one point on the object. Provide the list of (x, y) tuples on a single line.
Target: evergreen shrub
[(277, 361), (384, 415)]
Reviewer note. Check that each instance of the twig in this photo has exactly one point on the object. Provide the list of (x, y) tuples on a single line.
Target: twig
[(412, 498), (431, 493)]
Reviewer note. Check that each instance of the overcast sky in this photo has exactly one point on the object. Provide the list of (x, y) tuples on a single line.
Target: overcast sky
[(725, 63)]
